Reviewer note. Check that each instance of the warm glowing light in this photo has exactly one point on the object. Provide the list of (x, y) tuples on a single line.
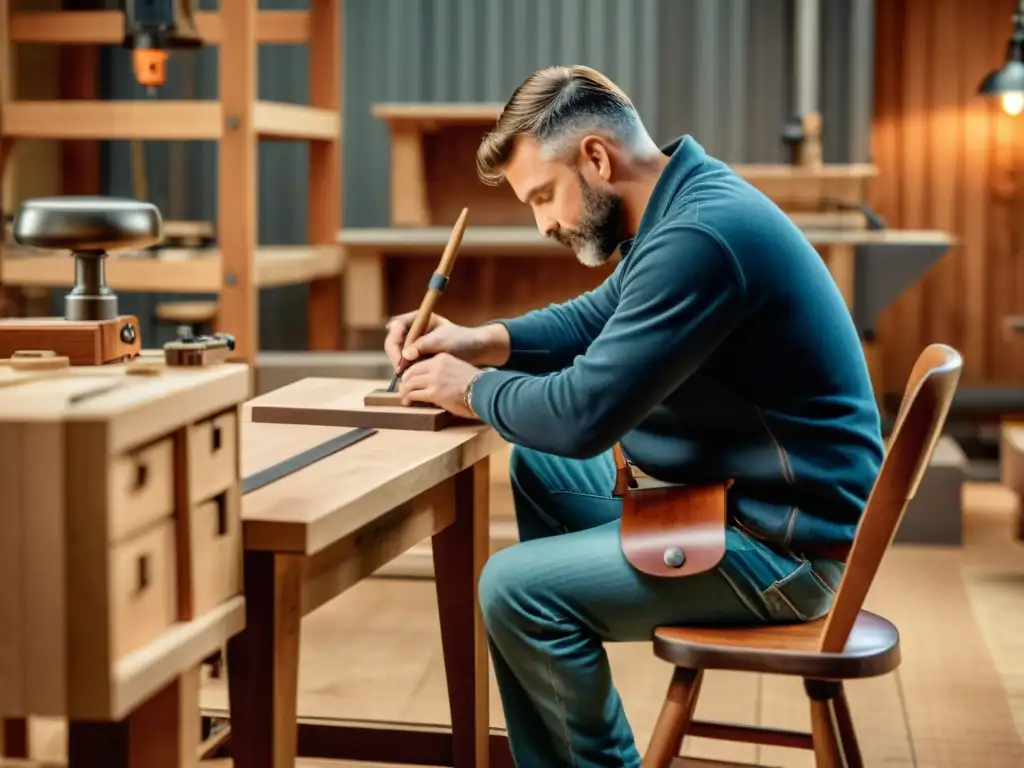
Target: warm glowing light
[(1013, 102)]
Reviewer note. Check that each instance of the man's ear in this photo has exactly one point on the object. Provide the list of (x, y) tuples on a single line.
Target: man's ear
[(594, 152)]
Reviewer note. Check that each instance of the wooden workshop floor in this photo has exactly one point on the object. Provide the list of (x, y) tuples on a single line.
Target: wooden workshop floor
[(957, 700)]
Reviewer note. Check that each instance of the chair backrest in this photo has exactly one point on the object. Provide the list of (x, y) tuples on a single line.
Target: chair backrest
[(918, 426)]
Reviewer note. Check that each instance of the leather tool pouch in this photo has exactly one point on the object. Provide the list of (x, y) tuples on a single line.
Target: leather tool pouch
[(670, 530)]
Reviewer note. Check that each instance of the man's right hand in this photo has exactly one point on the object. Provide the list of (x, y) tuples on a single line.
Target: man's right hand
[(482, 345)]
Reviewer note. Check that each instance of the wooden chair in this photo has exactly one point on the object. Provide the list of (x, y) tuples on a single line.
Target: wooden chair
[(846, 644)]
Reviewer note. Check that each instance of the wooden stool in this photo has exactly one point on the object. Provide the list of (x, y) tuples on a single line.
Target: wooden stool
[(193, 318), (188, 234), (848, 643)]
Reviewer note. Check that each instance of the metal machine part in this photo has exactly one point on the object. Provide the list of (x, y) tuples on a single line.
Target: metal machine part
[(90, 299), (88, 227), (806, 65), (151, 28)]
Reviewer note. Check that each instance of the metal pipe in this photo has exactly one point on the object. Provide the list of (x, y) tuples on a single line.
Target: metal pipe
[(861, 80), (90, 274), (90, 298), (807, 66)]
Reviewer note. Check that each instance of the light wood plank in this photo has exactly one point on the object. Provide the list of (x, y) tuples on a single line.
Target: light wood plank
[(164, 119), (107, 27), (184, 270)]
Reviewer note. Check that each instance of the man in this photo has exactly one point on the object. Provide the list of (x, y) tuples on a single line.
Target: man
[(720, 347)]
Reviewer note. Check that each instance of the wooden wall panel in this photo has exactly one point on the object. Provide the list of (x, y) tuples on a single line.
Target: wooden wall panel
[(950, 159)]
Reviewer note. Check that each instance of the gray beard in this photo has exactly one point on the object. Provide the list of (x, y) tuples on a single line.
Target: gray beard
[(597, 237), (589, 254)]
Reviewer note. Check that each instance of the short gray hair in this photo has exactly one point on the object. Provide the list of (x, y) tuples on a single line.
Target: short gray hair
[(555, 106)]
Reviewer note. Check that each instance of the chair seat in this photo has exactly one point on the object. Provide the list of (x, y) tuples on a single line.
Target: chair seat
[(785, 649), (187, 312), (87, 223)]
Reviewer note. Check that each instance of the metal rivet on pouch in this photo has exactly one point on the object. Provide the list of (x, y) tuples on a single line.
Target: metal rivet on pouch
[(674, 557)]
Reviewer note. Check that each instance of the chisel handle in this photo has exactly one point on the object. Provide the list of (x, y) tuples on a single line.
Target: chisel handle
[(436, 286)]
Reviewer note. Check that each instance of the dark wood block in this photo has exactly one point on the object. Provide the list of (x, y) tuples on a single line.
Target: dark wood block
[(83, 342)]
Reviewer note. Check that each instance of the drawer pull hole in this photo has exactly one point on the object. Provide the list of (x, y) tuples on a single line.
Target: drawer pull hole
[(142, 565), (222, 514), (141, 475), (215, 439)]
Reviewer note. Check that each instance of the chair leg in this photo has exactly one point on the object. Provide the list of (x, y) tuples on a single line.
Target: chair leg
[(847, 734), (828, 749), (14, 737), (675, 718)]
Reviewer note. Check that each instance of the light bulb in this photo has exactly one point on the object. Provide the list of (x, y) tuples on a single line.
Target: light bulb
[(1013, 102)]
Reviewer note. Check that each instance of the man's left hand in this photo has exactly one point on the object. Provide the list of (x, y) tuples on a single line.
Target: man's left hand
[(440, 380)]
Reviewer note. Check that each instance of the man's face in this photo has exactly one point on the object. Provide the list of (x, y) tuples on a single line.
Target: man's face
[(573, 204)]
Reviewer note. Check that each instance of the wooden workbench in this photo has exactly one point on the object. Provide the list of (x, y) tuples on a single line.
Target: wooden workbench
[(312, 535), (121, 569)]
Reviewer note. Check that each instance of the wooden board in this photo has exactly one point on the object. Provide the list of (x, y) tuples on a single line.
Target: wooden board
[(331, 403)]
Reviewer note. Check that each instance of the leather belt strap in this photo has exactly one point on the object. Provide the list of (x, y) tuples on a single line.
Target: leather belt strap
[(302, 460), (828, 551)]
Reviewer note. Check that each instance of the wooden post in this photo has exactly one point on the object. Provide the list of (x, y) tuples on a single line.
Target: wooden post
[(809, 153), (79, 79), (237, 207), (324, 312), (9, 298)]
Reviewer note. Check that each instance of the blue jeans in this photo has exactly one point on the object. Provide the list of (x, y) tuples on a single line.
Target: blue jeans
[(551, 600)]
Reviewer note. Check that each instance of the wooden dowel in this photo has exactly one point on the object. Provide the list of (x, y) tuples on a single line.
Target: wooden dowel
[(438, 282)]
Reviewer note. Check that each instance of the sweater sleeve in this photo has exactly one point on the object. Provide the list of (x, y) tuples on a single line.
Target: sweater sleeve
[(680, 295), (548, 339)]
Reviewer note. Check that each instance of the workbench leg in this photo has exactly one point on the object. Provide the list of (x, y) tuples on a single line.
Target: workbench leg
[(263, 664), (161, 733), (14, 737), (460, 551)]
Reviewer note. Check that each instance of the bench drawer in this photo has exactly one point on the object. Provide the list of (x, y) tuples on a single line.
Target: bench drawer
[(212, 456), (215, 538), (143, 588), (141, 488)]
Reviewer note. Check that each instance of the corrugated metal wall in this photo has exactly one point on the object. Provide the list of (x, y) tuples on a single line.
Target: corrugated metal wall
[(720, 70)]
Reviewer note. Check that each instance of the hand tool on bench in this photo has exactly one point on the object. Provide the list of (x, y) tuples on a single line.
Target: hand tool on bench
[(436, 286), (302, 460)]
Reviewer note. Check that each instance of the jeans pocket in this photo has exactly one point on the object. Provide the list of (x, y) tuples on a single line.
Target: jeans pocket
[(799, 596)]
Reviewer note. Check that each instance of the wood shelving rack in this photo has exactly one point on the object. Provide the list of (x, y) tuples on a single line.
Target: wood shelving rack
[(238, 267)]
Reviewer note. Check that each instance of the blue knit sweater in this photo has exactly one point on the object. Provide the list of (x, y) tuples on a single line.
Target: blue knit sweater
[(720, 347)]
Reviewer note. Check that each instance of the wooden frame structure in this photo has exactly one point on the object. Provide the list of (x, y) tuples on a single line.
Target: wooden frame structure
[(238, 267)]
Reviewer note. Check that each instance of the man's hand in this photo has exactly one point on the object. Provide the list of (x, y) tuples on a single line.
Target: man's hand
[(440, 380), (484, 345)]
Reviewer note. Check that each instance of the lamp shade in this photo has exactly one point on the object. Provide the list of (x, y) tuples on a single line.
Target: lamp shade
[(1008, 79)]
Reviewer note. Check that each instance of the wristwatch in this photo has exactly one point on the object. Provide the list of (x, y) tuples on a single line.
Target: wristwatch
[(467, 396)]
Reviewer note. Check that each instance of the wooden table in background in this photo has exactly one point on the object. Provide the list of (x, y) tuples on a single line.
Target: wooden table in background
[(313, 534)]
